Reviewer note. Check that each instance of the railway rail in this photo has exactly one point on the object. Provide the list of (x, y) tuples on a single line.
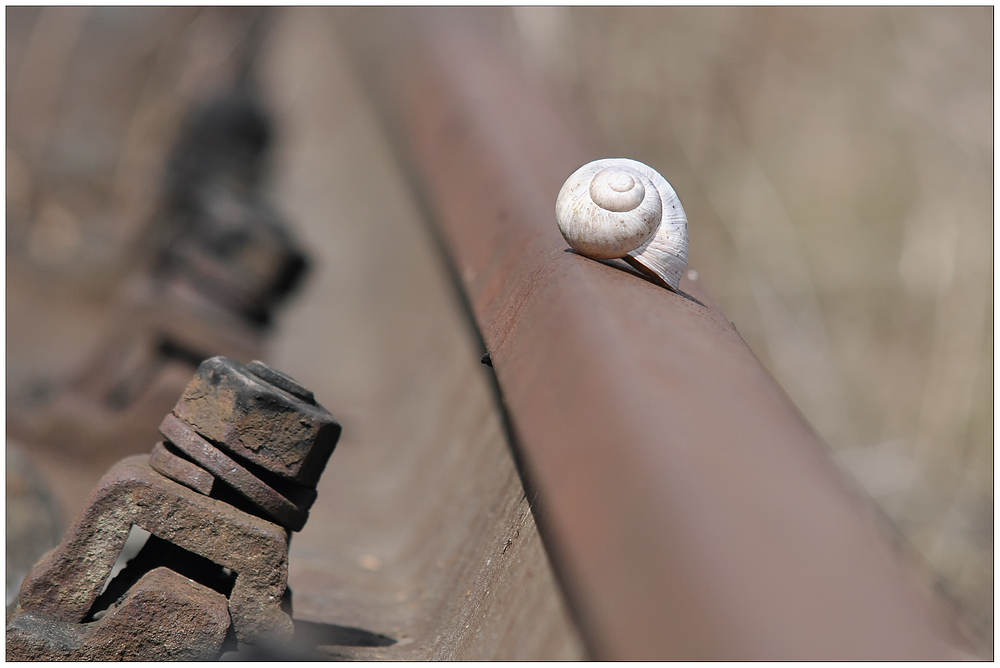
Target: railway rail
[(691, 511)]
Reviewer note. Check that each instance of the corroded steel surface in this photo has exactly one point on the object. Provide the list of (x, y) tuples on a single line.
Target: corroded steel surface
[(67, 581), (180, 620), (690, 509), (181, 470), (261, 422), (187, 440), (216, 545)]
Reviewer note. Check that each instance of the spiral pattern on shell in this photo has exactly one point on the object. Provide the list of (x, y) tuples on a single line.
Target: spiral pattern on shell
[(620, 208), (604, 211)]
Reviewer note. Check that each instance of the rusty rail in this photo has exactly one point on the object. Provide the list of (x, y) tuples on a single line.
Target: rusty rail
[(689, 509)]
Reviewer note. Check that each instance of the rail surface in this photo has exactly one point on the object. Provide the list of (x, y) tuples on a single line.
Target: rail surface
[(690, 510)]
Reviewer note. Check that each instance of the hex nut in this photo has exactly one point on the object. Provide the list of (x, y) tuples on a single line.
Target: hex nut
[(261, 422)]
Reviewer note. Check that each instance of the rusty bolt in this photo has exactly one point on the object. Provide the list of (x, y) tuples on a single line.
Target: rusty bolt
[(252, 430), (266, 419), (283, 511)]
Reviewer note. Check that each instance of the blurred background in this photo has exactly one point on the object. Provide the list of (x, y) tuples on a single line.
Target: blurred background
[(836, 166)]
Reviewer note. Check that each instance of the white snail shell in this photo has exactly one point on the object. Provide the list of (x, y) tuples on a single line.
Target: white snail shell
[(620, 208)]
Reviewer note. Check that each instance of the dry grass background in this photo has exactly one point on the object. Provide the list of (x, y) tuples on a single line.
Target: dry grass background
[(836, 165)]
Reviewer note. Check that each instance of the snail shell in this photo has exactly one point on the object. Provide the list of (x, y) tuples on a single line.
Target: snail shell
[(620, 208)]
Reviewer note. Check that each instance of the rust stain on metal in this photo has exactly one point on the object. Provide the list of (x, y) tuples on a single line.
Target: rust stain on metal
[(240, 556), (239, 478), (258, 421), (67, 581), (177, 620), (508, 317), (177, 468)]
